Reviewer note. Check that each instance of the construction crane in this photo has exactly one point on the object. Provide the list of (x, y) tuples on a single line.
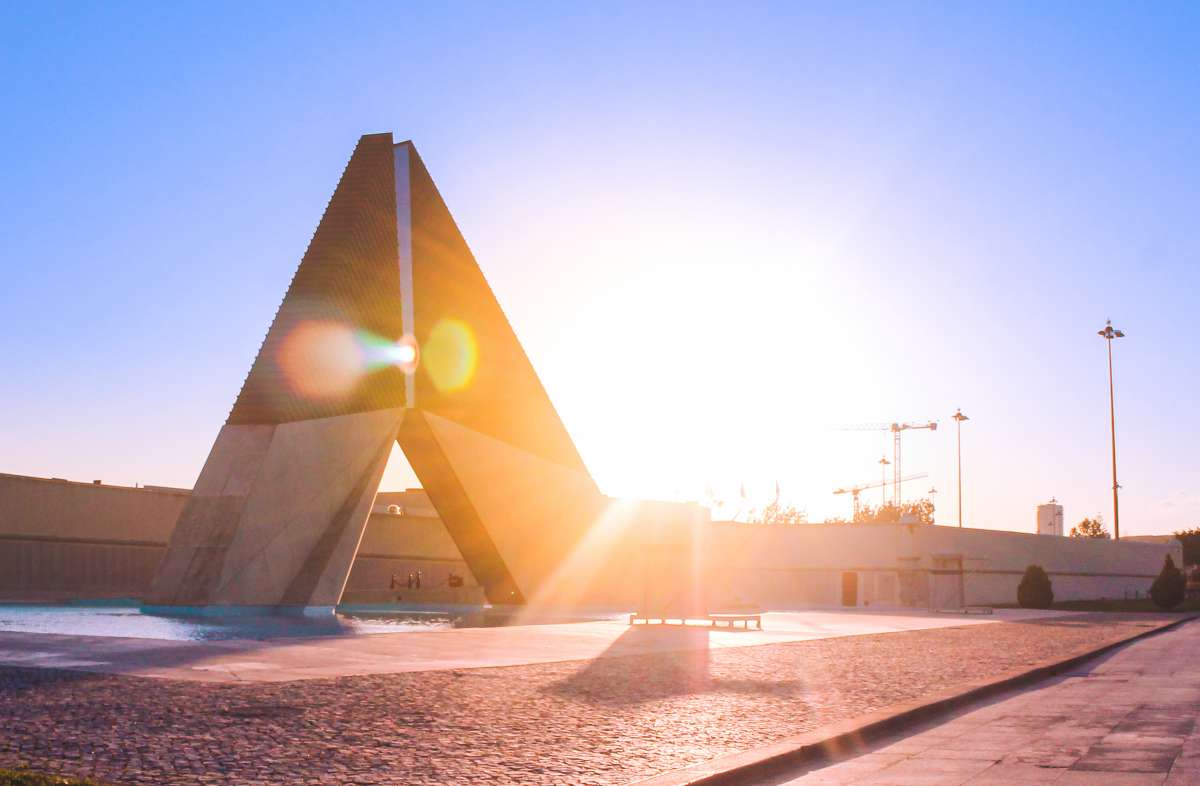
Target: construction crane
[(897, 429), (854, 491)]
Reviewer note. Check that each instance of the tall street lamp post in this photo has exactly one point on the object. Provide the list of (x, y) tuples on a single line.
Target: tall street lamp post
[(883, 465), (959, 417), (1108, 334)]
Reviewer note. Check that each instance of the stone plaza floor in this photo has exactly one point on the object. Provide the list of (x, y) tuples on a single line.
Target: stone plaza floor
[(1126, 719), (635, 703)]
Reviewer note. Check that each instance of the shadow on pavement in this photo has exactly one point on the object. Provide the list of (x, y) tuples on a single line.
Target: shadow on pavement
[(681, 666)]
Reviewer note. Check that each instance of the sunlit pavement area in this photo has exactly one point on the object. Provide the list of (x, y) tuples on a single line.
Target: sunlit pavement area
[(284, 659), (587, 703), (1128, 719)]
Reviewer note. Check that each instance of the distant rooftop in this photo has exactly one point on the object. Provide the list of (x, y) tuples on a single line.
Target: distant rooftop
[(165, 489)]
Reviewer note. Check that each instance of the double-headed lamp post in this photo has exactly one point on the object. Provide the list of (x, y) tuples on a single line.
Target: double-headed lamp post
[(1108, 334), (959, 417)]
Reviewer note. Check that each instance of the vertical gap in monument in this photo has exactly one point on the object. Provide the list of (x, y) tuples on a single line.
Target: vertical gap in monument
[(404, 256)]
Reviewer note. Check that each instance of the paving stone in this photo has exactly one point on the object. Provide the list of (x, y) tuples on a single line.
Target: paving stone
[(1072, 778), (1005, 774), (1098, 762), (926, 770)]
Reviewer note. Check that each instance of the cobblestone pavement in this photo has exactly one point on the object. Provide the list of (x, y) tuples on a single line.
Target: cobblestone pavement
[(1129, 719), (605, 721)]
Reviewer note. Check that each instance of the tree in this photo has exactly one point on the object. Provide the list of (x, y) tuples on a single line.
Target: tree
[(1090, 528), (1190, 538), (921, 510), (777, 513), (1168, 589), (1035, 590)]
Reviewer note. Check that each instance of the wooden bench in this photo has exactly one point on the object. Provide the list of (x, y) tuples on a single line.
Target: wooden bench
[(713, 620), (658, 619), (731, 620)]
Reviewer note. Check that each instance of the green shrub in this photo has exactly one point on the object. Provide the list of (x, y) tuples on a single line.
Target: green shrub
[(1168, 589), (1035, 590)]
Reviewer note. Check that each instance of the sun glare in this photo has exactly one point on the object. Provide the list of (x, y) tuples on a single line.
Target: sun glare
[(727, 378), (572, 580)]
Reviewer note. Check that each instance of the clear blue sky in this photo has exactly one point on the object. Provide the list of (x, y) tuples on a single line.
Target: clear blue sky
[(719, 229)]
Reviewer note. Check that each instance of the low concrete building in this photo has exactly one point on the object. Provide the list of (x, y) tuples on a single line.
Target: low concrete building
[(62, 540)]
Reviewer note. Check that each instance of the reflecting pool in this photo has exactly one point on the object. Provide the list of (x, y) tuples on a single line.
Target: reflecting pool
[(128, 620)]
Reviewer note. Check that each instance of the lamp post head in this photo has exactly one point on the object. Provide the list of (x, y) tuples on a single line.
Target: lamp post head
[(1109, 333), (959, 416)]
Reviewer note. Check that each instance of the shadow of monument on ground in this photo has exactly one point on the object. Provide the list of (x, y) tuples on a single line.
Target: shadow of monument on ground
[(680, 664), (17, 675)]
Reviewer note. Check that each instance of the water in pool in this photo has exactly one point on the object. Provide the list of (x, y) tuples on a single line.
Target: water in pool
[(128, 620)]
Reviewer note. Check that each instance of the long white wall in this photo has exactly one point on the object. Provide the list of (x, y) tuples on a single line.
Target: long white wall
[(61, 539), (783, 567)]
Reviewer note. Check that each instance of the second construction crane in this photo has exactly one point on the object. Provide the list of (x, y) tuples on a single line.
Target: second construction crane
[(854, 491), (897, 429)]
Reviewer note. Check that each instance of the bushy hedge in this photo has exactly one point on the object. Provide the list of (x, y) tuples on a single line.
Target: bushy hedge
[(1168, 589), (1035, 590)]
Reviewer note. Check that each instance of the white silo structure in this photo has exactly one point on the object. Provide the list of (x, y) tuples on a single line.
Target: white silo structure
[(1050, 519)]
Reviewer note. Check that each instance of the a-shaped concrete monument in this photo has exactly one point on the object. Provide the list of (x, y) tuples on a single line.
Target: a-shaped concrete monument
[(388, 332)]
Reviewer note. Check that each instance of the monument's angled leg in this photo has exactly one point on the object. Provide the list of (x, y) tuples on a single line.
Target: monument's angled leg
[(519, 520), (277, 514), (457, 511)]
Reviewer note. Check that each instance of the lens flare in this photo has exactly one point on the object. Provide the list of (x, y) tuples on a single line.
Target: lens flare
[(324, 359), (321, 359), (379, 352), (450, 355)]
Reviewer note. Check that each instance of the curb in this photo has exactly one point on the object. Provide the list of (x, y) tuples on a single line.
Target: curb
[(846, 737)]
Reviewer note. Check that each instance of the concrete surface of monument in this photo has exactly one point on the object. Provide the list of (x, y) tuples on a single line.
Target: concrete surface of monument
[(388, 332)]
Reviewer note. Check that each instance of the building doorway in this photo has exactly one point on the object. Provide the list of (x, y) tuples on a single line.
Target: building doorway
[(849, 589), (947, 592)]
